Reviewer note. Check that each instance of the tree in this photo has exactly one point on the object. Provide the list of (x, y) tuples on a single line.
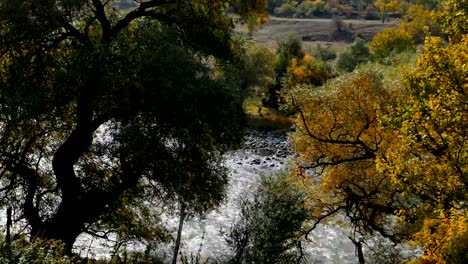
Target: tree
[(385, 7), (288, 48), (306, 70), (100, 108), (390, 42), (454, 19), (373, 149), (338, 140), (358, 53), (430, 162), (418, 19), (270, 223), (258, 68)]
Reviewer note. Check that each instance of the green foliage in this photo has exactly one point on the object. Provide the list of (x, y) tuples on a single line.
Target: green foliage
[(103, 108), (21, 251), (289, 47), (458, 250), (454, 19), (358, 53), (270, 223), (391, 41), (313, 9), (285, 10), (323, 53), (257, 70)]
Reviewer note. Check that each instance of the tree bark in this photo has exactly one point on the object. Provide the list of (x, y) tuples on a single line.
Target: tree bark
[(8, 226), (358, 246), (182, 216)]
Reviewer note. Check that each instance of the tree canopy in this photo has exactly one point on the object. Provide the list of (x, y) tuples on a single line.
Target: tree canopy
[(383, 143), (101, 106)]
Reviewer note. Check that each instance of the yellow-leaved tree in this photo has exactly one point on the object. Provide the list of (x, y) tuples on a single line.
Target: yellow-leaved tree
[(306, 70), (338, 138), (390, 42), (373, 146), (430, 162), (418, 19), (386, 6)]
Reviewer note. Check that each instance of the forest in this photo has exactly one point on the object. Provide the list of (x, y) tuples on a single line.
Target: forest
[(113, 111)]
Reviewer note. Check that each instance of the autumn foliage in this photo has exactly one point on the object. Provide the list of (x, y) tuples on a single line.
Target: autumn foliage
[(390, 143), (391, 41), (431, 161), (338, 138), (306, 70)]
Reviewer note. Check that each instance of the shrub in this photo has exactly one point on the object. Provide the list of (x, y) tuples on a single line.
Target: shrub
[(306, 71), (258, 69), (269, 224), (458, 250), (285, 10), (323, 53), (358, 53), (391, 41), (36, 252), (288, 48), (417, 20), (313, 9)]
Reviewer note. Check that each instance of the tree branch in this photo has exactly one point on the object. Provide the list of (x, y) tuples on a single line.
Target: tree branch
[(101, 16), (142, 11)]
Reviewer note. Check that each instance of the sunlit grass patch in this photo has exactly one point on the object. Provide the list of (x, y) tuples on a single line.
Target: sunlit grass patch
[(265, 118)]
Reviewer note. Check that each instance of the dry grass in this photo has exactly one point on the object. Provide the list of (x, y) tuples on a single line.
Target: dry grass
[(264, 118)]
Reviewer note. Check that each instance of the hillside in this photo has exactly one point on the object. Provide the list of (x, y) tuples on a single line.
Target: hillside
[(319, 30)]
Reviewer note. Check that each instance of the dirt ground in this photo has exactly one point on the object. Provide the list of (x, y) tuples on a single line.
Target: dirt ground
[(319, 31)]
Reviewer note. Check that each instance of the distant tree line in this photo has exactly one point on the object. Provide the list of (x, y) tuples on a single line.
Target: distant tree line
[(352, 9)]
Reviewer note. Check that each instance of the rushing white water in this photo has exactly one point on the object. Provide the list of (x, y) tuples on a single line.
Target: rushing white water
[(262, 154)]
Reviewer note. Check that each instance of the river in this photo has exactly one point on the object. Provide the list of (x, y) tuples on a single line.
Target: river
[(263, 153)]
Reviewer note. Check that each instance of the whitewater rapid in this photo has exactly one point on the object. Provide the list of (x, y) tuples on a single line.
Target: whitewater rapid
[(263, 153)]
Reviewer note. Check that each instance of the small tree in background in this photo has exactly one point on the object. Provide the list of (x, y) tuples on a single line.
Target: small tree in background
[(418, 19), (385, 7), (306, 71), (323, 53), (357, 53), (391, 41), (288, 48)]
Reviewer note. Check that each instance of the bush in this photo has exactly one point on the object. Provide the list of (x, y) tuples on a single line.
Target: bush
[(36, 252), (306, 71), (312, 9), (323, 53), (419, 19), (458, 250), (269, 224), (391, 41), (258, 69), (288, 48), (285, 10), (358, 53)]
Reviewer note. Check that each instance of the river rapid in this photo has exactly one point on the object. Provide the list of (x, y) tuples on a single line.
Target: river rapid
[(262, 153)]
